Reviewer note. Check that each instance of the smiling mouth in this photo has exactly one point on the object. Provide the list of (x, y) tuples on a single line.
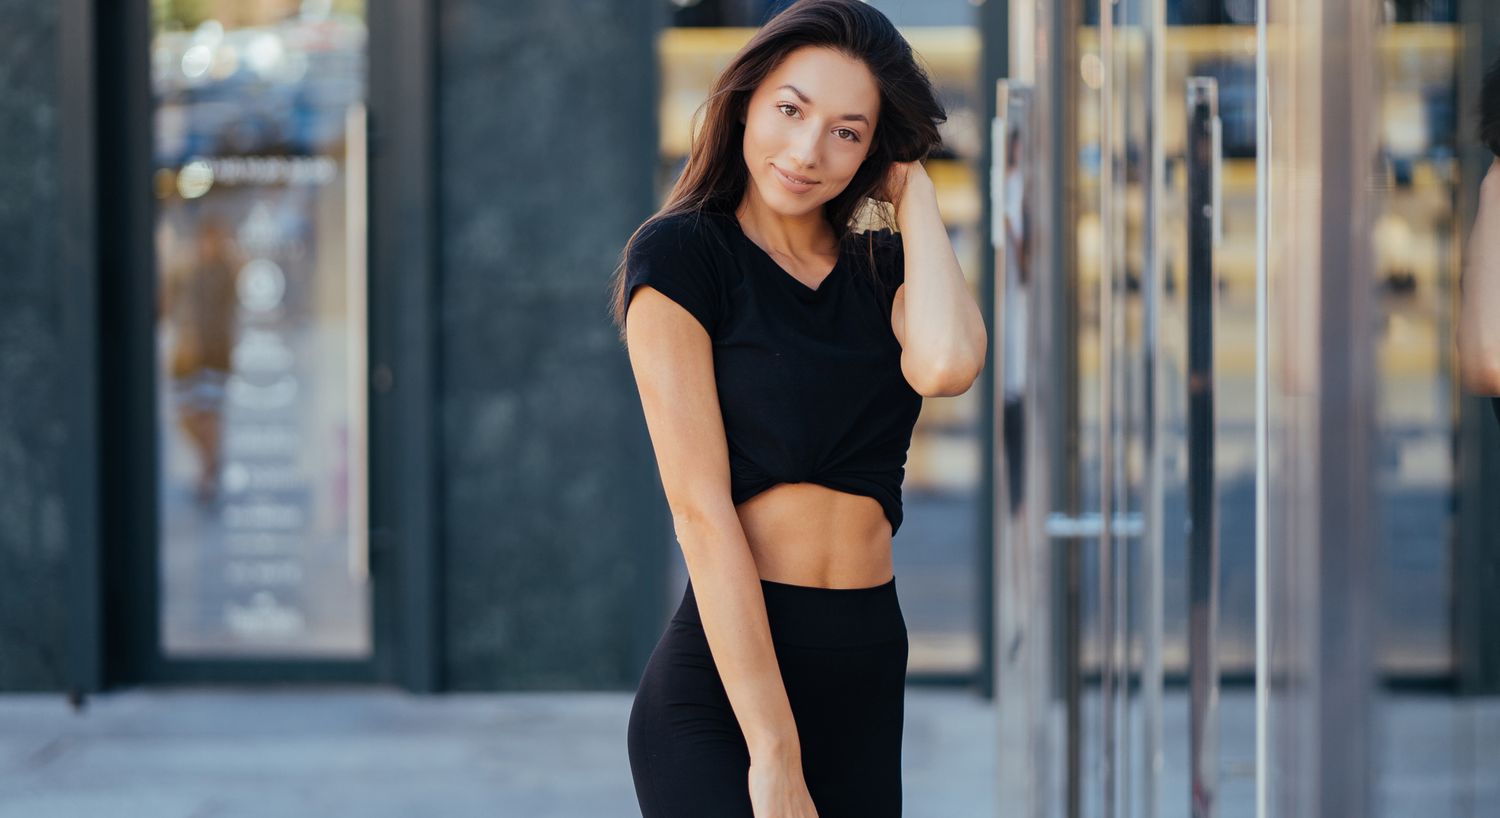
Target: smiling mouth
[(794, 178)]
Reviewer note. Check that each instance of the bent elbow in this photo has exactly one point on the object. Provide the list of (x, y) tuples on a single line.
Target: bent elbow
[(944, 381), (1482, 376), (1478, 351), (955, 385), (948, 368)]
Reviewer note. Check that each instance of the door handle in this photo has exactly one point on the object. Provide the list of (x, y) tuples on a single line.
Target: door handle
[(1204, 174), (1090, 524)]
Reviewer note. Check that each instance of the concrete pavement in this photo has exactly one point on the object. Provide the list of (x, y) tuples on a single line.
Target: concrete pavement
[(380, 753)]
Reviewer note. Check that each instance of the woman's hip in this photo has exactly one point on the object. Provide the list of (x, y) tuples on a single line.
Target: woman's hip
[(842, 654)]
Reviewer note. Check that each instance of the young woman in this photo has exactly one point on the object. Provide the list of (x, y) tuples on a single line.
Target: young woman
[(1479, 312), (781, 359)]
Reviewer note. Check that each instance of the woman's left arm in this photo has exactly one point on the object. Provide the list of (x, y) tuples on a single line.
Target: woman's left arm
[(934, 315), (1479, 306)]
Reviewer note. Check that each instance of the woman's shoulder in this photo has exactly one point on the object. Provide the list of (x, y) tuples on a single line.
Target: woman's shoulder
[(675, 254), (700, 232)]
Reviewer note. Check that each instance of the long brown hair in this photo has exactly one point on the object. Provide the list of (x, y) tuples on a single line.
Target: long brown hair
[(715, 175), (1489, 109)]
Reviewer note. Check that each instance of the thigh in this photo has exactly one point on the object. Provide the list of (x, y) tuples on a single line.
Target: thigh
[(688, 755), (850, 709)]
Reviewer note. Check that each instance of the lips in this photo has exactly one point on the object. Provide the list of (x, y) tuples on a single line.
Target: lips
[(794, 182)]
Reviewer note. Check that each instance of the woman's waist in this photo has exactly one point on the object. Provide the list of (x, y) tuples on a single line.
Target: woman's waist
[(816, 617), (812, 535)]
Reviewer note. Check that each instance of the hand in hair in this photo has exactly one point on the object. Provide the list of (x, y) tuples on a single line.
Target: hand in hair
[(900, 181)]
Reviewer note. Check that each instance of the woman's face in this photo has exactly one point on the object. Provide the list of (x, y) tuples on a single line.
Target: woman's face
[(808, 127)]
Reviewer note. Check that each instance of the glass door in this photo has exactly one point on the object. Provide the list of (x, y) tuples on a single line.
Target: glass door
[(1087, 377), (1225, 262), (1139, 372), (258, 142)]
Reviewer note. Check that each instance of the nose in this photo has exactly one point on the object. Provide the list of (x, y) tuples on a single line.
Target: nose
[(804, 148)]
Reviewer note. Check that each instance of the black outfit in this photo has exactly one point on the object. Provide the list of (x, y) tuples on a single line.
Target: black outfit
[(811, 390), (842, 654), (1495, 404), (809, 380)]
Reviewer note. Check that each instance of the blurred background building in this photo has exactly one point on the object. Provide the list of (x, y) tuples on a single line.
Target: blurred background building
[(307, 374)]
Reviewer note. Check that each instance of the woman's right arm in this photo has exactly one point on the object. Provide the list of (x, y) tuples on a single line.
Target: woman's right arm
[(672, 358)]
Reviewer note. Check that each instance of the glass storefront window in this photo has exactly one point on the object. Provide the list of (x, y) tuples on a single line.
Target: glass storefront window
[(259, 177)]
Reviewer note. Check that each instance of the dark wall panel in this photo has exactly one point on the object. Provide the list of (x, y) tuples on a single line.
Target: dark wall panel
[(34, 508), (554, 535)]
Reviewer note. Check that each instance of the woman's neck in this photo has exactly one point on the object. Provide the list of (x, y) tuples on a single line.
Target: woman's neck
[(795, 236)]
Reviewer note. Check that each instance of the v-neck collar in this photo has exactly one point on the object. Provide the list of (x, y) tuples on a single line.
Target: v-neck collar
[(798, 286)]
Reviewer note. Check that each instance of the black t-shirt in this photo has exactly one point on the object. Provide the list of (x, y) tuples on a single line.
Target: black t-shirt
[(1495, 404), (809, 380)]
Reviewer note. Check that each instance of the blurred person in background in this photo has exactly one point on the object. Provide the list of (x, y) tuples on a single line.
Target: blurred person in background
[(781, 355), (199, 302), (1479, 312)]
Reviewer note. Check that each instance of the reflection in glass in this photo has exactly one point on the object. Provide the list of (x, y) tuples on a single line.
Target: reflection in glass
[(259, 178), (1122, 614)]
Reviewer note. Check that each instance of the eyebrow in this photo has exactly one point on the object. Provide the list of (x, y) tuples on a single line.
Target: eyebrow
[(806, 101)]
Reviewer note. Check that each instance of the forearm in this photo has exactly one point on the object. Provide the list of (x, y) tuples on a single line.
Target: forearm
[(945, 335), (726, 584), (1479, 306)]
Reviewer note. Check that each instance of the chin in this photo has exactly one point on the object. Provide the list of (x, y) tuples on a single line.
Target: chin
[(783, 203)]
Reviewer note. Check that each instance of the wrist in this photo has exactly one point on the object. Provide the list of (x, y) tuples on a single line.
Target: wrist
[(772, 748), (919, 196)]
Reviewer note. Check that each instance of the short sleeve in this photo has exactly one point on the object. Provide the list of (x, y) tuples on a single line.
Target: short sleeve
[(670, 255)]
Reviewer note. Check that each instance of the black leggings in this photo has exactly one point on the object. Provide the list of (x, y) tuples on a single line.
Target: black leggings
[(842, 654)]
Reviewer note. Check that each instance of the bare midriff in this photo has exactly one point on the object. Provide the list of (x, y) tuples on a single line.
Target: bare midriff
[(807, 534)]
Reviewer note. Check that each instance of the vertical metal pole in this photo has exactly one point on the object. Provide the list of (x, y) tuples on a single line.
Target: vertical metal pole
[(1013, 786), (78, 269), (1022, 550), (1064, 426), (356, 337), (1346, 422), (1106, 408), (1151, 543), (994, 28), (1045, 402), (1203, 159), (406, 528), (1262, 416), (1063, 295)]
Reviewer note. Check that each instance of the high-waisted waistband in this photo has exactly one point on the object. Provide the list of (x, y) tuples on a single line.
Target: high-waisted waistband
[(809, 616)]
